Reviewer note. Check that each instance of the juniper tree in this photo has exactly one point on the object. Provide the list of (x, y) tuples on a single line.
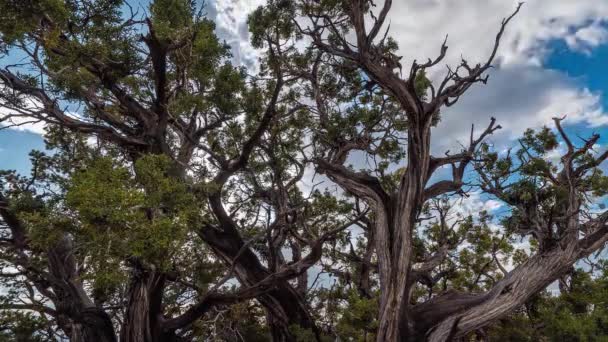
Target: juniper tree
[(191, 178), (366, 104), (171, 202)]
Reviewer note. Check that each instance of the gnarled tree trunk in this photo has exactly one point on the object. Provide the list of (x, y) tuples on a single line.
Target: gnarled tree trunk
[(80, 319), (143, 321), (92, 325), (284, 305)]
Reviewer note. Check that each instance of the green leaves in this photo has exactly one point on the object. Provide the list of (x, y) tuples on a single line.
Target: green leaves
[(240, 143), (21, 325), (422, 84), (102, 191), (272, 20), (145, 214), (358, 320), (19, 17), (172, 19), (540, 142)]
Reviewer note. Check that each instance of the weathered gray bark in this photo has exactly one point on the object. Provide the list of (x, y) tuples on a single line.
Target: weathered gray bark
[(396, 214), (82, 320), (143, 321), (395, 218), (92, 325), (283, 303)]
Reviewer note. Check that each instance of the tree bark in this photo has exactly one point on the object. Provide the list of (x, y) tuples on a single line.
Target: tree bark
[(143, 319), (80, 319), (395, 218), (93, 325), (136, 326), (284, 305), (474, 312)]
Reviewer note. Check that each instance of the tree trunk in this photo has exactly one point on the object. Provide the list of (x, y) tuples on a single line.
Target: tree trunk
[(142, 322), (507, 295), (81, 320), (283, 304), (93, 325), (394, 228), (136, 326), (394, 280), (392, 293)]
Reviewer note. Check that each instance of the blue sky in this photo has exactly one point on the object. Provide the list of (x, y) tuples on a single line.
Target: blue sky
[(590, 70), (15, 147)]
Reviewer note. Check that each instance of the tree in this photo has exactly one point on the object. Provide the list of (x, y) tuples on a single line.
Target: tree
[(191, 181), (578, 313), (362, 104), (170, 206)]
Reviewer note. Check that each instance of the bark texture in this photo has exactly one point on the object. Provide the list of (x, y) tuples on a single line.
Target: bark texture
[(396, 212)]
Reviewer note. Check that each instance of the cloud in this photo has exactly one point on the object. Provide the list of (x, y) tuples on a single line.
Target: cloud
[(419, 26), (521, 93), (21, 123), (519, 97), (587, 38), (474, 203), (24, 126), (230, 17)]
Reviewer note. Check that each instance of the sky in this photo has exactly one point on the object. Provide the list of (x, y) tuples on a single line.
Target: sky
[(553, 62)]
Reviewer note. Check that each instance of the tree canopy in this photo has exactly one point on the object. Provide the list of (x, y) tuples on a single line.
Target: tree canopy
[(185, 198)]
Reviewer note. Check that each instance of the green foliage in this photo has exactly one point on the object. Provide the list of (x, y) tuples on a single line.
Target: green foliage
[(300, 334), (580, 314), (19, 17), (272, 20), (542, 141), (22, 326), (172, 118), (116, 215), (172, 17), (358, 321), (145, 215), (422, 84)]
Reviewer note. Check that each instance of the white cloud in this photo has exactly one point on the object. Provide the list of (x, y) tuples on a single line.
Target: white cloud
[(554, 156), (420, 26), (520, 97), (231, 21), (521, 93), (474, 203), (20, 123), (587, 37)]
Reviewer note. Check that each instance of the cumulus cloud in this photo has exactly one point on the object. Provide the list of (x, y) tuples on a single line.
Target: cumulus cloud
[(230, 17), (474, 203), (586, 38), (20, 123), (519, 97), (521, 93), (419, 26)]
